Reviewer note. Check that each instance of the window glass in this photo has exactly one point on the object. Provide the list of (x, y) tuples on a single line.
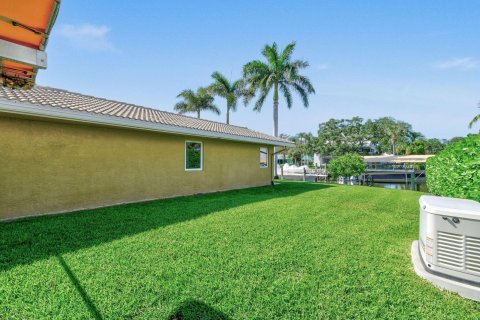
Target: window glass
[(193, 155), (263, 157)]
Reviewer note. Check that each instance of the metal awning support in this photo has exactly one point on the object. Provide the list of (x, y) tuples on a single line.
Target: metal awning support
[(22, 54), (280, 151)]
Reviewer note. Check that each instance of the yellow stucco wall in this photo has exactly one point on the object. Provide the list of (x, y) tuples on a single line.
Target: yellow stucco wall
[(49, 167)]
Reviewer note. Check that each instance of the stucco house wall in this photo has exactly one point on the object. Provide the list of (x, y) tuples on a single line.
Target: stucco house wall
[(49, 167)]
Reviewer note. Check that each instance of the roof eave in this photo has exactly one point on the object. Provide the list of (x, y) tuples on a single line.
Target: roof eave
[(38, 110)]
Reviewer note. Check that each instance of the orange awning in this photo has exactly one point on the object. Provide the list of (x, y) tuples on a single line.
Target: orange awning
[(24, 29)]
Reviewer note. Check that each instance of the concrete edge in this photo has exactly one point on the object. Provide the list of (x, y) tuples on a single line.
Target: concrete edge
[(443, 282)]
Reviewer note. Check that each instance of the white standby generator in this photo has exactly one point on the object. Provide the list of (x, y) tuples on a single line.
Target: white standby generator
[(448, 251)]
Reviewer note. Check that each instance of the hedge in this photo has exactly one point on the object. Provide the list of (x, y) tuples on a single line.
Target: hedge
[(455, 171)]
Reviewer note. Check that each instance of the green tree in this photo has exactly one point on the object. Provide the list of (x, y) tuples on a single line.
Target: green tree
[(337, 137), (196, 102), (455, 139), (349, 165), (416, 147), (387, 132), (305, 144), (279, 73), (415, 135), (231, 91), (433, 146)]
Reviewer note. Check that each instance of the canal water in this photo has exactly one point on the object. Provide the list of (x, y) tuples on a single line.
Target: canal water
[(401, 186), (421, 186)]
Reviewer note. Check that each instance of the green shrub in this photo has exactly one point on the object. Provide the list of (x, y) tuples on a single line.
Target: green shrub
[(347, 166), (455, 172)]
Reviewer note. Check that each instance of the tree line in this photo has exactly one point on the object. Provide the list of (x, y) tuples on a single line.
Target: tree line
[(337, 137)]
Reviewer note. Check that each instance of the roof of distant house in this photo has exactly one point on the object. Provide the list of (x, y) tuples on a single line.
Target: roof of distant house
[(57, 103)]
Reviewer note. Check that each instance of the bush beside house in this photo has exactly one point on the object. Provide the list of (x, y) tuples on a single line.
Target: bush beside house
[(455, 172)]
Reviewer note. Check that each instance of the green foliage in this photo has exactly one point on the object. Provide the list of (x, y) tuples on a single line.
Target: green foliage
[(455, 172), (341, 136), (305, 144), (292, 251), (196, 102), (193, 155), (455, 139), (337, 137), (279, 73), (349, 165), (231, 91), (387, 133)]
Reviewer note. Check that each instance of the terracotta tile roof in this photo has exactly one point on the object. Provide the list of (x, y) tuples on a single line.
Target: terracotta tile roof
[(57, 98)]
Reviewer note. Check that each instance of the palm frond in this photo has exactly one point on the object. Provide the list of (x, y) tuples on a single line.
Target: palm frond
[(186, 94), (271, 53), (198, 101), (181, 107), (221, 80), (287, 53), (287, 94), (305, 83), (261, 99), (300, 64), (255, 67), (211, 107), (474, 120), (302, 93)]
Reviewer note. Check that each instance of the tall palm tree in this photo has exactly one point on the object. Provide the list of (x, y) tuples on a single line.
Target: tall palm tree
[(279, 73), (395, 130), (196, 102), (221, 87), (474, 120)]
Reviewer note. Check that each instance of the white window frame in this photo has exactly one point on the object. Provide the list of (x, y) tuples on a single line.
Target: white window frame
[(264, 167), (201, 156)]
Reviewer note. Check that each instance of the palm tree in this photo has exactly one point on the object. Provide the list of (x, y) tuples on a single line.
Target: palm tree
[(474, 120), (395, 130), (221, 87), (196, 102), (279, 73)]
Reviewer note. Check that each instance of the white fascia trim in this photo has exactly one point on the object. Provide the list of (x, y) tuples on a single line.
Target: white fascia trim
[(25, 108)]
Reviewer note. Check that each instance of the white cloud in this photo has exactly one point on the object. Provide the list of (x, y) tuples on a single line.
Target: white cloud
[(466, 63), (321, 67), (87, 36)]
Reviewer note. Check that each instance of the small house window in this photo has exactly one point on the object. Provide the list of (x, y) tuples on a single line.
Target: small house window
[(193, 155), (263, 157)]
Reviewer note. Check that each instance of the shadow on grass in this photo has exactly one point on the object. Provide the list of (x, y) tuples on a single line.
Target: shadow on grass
[(86, 299), (29, 240), (197, 310)]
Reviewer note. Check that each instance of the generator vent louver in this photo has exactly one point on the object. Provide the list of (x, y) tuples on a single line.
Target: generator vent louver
[(472, 254), (450, 249), (458, 251)]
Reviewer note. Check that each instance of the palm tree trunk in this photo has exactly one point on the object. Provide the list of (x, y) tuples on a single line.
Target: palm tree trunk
[(198, 114), (275, 127), (228, 114)]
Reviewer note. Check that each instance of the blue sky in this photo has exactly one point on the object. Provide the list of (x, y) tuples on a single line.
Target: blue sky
[(417, 61)]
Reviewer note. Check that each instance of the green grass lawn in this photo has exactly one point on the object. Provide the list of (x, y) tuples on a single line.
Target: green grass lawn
[(292, 251)]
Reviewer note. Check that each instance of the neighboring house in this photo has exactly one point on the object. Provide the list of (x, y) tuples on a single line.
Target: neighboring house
[(63, 151), (369, 148)]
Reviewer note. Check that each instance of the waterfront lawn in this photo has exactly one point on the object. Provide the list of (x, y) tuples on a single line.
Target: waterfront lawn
[(291, 251)]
